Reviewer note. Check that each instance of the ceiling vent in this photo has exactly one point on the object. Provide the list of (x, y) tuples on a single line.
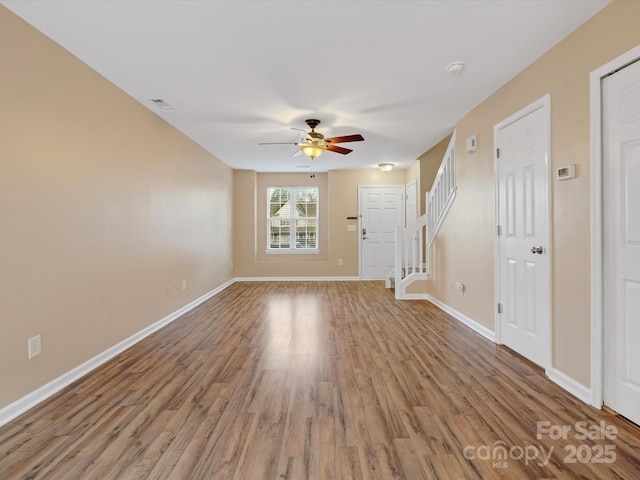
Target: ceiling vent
[(160, 103)]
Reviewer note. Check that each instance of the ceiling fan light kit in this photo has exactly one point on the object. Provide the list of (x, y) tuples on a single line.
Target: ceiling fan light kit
[(312, 150), (313, 143), (386, 167)]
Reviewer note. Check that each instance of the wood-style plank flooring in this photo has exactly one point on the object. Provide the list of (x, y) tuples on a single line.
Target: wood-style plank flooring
[(315, 380)]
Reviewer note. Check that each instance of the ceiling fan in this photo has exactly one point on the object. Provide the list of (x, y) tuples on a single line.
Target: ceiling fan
[(312, 143)]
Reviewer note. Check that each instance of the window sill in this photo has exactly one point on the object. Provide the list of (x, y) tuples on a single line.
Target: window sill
[(291, 251)]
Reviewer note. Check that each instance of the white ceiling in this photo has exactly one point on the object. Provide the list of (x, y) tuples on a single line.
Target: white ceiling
[(243, 72)]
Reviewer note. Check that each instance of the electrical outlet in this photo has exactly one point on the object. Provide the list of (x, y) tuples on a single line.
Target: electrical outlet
[(184, 285), (34, 346), (340, 261)]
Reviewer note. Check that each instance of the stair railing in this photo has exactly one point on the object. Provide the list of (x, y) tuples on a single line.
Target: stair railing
[(443, 191)]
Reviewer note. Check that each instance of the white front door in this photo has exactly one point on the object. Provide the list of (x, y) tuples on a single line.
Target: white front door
[(381, 210), (621, 215), (523, 270)]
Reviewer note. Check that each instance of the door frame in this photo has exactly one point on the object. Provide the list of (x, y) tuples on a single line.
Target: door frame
[(360, 187), (597, 224), (543, 102)]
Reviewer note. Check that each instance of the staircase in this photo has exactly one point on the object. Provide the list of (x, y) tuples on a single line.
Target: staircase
[(413, 242), (411, 264)]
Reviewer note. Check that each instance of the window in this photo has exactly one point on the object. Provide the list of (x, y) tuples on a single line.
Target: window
[(292, 220)]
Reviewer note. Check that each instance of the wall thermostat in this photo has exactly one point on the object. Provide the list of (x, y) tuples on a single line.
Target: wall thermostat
[(566, 173)]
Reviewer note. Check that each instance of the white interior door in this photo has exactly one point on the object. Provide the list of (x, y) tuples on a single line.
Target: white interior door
[(523, 270), (381, 210), (621, 208), (411, 203)]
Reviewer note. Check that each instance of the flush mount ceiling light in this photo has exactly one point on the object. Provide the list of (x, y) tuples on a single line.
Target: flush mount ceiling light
[(455, 68), (386, 167)]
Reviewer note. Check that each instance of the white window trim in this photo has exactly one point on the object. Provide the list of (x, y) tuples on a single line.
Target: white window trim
[(293, 251)]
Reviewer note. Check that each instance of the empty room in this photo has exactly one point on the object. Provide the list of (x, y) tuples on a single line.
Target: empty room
[(319, 239)]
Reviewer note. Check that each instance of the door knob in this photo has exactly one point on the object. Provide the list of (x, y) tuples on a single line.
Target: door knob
[(537, 249)]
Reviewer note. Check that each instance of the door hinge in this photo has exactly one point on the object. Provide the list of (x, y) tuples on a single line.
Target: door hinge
[(499, 308), (499, 230), (497, 152)]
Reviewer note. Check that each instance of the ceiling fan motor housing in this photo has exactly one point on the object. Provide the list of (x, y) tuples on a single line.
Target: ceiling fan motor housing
[(313, 123)]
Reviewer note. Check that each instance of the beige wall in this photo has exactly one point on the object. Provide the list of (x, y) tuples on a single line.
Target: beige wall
[(338, 200), (464, 248), (103, 206)]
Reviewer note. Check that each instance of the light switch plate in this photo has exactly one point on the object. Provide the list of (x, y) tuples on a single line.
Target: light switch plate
[(34, 346)]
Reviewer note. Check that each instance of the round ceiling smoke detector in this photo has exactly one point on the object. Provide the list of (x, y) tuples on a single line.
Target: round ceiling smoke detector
[(455, 68)]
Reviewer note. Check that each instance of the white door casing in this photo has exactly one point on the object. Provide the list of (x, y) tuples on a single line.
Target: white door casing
[(381, 211), (523, 278), (621, 247)]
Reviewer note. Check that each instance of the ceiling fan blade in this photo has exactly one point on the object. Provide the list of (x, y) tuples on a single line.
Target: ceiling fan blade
[(297, 153), (346, 138), (337, 149), (278, 143)]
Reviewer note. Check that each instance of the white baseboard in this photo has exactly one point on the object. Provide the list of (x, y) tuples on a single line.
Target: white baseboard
[(30, 400), (415, 296), (482, 330), (570, 385), (296, 279)]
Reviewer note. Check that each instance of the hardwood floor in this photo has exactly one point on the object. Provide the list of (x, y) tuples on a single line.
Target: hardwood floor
[(327, 380)]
